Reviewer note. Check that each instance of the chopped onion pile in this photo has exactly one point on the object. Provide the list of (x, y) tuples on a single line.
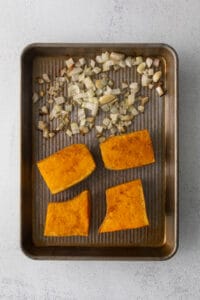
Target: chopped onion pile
[(91, 91)]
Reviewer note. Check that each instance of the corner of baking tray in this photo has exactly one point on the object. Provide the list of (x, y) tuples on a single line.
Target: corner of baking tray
[(171, 50), (27, 48)]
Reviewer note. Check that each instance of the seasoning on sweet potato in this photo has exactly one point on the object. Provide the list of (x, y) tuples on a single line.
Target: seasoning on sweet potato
[(125, 207), (127, 151), (66, 167), (69, 218)]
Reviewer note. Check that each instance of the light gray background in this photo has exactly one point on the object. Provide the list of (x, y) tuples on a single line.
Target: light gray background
[(173, 22)]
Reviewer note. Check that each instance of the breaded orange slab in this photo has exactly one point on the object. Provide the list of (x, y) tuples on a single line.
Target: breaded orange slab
[(66, 167), (125, 207), (68, 218), (127, 151)]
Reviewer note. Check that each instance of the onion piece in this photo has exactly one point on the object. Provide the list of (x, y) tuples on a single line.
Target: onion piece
[(105, 107), (40, 80), (82, 61), (90, 120), (108, 90), (113, 130), (105, 56), (107, 65), (51, 91), (141, 67), (114, 109), (121, 128), (99, 59), (122, 110), (84, 130), (92, 63), (106, 122), (59, 100), (68, 107), (126, 117), (93, 100), (156, 62), (102, 139), (60, 126), (73, 90), (96, 70), (116, 67), (55, 112), (46, 133), (74, 128), (127, 123), (64, 115), (114, 117), (144, 100), (35, 97), (133, 111), (160, 91), (69, 133), (117, 56), (82, 122), (106, 99), (42, 93), (131, 99), (77, 64), (81, 77), (99, 92), (157, 76), (149, 62), (128, 61), (124, 85), (141, 108), (150, 72), (75, 71), (145, 80), (69, 63), (93, 107), (77, 101), (134, 86), (81, 114), (42, 125), (138, 60), (50, 101), (99, 129), (43, 110), (150, 86), (46, 78), (75, 77), (100, 83), (122, 64), (51, 134), (116, 91), (89, 83), (89, 94), (63, 71), (88, 71)]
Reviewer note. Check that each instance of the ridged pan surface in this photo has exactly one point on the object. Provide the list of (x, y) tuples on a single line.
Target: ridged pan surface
[(152, 176)]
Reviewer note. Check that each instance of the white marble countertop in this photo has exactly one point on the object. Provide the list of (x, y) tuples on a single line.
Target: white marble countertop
[(174, 22)]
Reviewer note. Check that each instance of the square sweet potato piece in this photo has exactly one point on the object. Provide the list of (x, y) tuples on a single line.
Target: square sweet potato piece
[(125, 207), (127, 151), (69, 218), (66, 167)]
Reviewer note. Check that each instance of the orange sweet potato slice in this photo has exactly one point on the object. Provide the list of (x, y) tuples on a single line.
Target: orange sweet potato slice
[(66, 167), (125, 207), (69, 218), (127, 151)]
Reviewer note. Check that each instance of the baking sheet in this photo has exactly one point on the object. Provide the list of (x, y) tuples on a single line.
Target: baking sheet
[(154, 177)]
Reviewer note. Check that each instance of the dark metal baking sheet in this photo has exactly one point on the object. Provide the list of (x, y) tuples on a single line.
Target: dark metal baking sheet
[(160, 239)]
